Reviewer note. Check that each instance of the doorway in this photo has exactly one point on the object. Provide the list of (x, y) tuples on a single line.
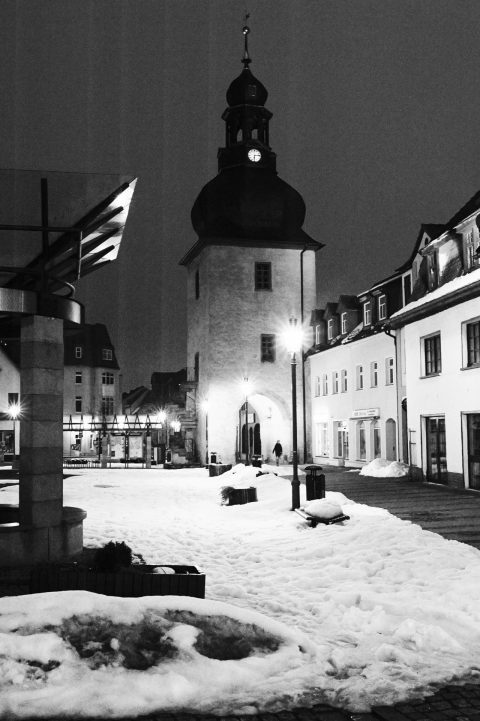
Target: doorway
[(251, 441), (391, 440), (436, 449), (473, 432)]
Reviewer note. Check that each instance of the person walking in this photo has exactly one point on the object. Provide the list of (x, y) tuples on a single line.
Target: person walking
[(278, 450)]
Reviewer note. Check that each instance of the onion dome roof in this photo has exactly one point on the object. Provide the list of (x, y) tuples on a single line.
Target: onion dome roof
[(246, 90), (249, 203)]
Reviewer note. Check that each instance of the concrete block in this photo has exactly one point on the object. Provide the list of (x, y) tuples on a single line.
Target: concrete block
[(43, 407), (41, 514), (41, 434), (40, 328), (39, 487), (41, 355), (38, 461), (42, 380)]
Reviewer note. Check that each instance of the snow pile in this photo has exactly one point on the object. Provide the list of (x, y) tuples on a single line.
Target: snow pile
[(76, 644), (365, 593), (380, 468), (323, 508)]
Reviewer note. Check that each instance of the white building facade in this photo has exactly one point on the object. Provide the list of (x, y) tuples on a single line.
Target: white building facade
[(354, 403)]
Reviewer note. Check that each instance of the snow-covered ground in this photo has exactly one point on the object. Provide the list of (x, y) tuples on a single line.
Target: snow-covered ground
[(371, 611)]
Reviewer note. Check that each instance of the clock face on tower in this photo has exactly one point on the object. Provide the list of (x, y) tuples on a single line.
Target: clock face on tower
[(254, 155)]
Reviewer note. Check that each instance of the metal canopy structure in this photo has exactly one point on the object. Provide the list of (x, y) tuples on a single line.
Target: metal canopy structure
[(56, 228)]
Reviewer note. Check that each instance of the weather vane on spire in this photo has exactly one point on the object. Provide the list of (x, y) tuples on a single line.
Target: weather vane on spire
[(246, 57)]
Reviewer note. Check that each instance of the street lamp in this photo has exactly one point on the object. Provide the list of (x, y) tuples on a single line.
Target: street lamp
[(293, 342), (246, 390), (205, 409), (14, 410)]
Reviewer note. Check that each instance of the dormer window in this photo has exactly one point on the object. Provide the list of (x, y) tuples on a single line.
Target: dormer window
[(78, 351), (107, 354), (343, 321), (317, 335), (330, 329), (382, 307), (367, 313)]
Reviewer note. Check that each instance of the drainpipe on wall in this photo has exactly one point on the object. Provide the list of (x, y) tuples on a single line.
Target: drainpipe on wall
[(304, 405)]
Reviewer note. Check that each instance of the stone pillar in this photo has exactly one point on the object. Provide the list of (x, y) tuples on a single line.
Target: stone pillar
[(148, 461), (104, 451), (41, 427)]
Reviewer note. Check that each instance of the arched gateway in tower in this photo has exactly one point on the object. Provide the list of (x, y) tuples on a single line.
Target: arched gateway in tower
[(251, 269)]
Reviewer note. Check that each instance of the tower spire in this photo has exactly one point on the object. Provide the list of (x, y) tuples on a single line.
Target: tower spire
[(246, 60)]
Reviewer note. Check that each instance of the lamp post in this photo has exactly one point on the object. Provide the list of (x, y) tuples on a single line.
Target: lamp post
[(205, 408), (14, 412), (293, 342), (246, 388)]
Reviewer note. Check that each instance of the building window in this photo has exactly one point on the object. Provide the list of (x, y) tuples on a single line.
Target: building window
[(317, 335), (197, 284), (389, 371), (318, 386), (377, 443), (78, 351), (325, 384), (107, 354), (107, 378), (322, 440), (78, 404), (330, 329), (359, 378), (473, 343), (196, 367), (374, 374), (267, 348), (382, 307), (78, 376), (12, 399), (263, 276), (367, 313), (344, 381), (107, 405), (432, 355), (343, 321), (362, 444), (335, 382)]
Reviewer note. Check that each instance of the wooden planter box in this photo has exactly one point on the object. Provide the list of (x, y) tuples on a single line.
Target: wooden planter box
[(238, 496), (136, 581)]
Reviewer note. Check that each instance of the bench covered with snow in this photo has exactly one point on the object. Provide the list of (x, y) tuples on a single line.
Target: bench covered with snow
[(322, 510)]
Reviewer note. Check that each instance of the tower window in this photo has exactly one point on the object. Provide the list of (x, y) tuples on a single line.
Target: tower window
[(267, 348), (251, 91), (197, 284), (263, 276)]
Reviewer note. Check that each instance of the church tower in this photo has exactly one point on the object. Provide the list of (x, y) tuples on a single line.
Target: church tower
[(251, 270)]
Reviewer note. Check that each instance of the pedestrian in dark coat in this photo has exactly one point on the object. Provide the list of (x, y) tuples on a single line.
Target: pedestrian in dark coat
[(278, 450)]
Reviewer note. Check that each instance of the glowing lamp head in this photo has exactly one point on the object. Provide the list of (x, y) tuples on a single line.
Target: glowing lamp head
[(161, 416), (14, 410), (293, 337), (205, 406)]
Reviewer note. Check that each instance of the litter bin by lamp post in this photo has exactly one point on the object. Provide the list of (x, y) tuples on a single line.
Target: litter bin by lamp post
[(314, 482)]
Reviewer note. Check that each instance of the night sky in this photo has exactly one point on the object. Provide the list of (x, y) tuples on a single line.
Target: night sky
[(376, 122)]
